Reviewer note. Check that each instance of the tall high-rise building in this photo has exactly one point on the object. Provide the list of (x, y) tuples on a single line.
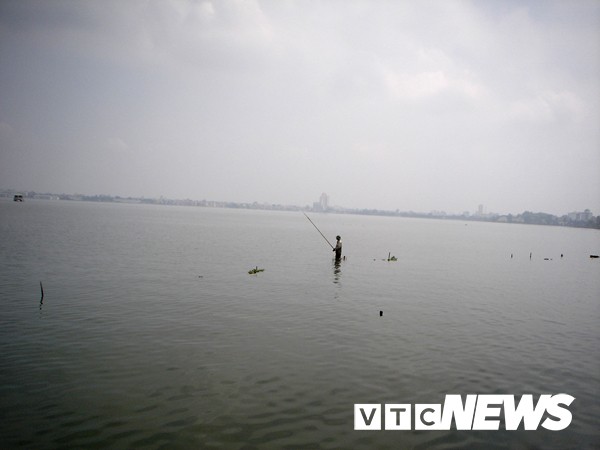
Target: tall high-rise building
[(324, 201)]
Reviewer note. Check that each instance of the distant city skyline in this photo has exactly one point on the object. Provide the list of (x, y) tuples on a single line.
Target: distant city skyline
[(320, 206)]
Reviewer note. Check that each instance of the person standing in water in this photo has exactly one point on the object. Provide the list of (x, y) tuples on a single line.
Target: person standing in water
[(338, 248)]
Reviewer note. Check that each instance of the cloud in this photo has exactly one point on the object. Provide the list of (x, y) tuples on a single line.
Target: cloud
[(549, 107), (431, 83), (226, 34)]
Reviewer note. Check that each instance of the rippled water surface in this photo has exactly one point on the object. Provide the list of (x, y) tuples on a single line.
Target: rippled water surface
[(152, 334)]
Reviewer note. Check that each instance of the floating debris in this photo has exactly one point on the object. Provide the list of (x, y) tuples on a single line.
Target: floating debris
[(255, 270), (380, 313), (594, 256)]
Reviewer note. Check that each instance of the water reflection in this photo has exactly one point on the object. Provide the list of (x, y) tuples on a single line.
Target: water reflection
[(337, 271)]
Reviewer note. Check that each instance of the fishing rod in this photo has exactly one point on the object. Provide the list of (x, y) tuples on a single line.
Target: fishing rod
[(317, 229)]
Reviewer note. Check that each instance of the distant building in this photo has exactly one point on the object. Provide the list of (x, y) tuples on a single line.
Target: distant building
[(581, 216), (322, 204), (324, 201)]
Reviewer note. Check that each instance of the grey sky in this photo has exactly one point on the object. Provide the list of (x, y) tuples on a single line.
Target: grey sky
[(410, 105)]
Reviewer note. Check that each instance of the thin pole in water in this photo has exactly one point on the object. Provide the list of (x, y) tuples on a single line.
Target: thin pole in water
[(317, 229)]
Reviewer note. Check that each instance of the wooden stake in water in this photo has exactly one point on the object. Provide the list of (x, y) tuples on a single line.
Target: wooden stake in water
[(41, 299)]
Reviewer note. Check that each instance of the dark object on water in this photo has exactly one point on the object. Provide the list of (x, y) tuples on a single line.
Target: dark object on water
[(255, 270), (18, 198), (391, 258), (380, 313), (42, 289), (594, 256)]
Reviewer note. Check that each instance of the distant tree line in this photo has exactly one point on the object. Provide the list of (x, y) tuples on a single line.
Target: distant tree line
[(541, 218), (527, 217)]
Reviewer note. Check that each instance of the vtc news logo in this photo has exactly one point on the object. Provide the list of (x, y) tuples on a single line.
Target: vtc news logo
[(479, 412)]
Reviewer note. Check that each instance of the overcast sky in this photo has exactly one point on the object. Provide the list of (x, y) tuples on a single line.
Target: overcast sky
[(409, 105)]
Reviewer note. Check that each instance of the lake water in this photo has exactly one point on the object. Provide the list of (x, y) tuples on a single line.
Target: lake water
[(152, 334)]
